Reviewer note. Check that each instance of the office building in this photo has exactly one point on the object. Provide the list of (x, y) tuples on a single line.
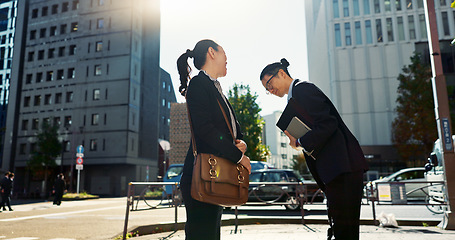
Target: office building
[(180, 133), (357, 49), (92, 68)]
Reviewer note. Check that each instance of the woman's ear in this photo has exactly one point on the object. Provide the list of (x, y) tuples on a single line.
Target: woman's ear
[(211, 52)]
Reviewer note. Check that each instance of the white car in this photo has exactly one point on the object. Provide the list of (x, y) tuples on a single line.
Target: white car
[(407, 176)]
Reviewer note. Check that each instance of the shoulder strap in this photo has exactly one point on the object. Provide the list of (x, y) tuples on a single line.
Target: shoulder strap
[(193, 140)]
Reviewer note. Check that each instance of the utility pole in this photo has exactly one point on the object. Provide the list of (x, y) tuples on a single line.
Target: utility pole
[(442, 113)]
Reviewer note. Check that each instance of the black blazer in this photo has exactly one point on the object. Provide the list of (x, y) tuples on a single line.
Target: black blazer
[(209, 126), (335, 148)]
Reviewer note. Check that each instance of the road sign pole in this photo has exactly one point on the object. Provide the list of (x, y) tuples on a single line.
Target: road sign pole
[(78, 178)]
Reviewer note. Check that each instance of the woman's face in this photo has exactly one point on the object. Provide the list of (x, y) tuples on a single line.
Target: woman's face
[(221, 61)]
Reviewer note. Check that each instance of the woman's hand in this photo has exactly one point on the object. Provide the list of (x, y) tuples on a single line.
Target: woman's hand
[(241, 145), (245, 161)]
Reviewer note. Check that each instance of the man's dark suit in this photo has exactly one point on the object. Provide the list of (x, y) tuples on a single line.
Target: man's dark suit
[(6, 185), (340, 162), (212, 136)]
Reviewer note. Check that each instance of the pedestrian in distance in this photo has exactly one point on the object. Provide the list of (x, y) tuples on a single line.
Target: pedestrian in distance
[(6, 185), (332, 153), (59, 189), (210, 130)]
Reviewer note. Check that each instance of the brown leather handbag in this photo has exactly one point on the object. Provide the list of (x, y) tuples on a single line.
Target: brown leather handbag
[(217, 180)]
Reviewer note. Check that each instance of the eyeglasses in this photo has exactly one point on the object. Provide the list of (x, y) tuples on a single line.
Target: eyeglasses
[(268, 86)]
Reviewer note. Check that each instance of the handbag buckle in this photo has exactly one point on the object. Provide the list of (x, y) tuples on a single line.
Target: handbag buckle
[(212, 161)]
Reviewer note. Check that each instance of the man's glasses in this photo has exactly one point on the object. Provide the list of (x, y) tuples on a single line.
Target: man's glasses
[(269, 86)]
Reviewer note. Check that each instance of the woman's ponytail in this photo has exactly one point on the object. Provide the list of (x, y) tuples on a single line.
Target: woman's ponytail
[(184, 70)]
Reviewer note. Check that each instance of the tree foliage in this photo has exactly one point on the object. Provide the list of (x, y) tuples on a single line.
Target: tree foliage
[(299, 164), (414, 128), (247, 112)]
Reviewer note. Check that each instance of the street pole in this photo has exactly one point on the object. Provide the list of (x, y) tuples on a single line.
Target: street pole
[(442, 113)]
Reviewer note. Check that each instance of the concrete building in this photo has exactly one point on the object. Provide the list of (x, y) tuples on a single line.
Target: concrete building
[(92, 68), (8, 14), (281, 152), (180, 133), (357, 49)]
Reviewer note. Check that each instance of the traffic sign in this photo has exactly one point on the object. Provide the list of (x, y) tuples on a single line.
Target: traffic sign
[(79, 155), (80, 149), (79, 167), (79, 161)]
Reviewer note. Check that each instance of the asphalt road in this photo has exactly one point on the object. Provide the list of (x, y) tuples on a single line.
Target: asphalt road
[(104, 218)]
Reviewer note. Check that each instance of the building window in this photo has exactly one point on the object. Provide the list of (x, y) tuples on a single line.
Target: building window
[(389, 29), (93, 145), (50, 76), (99, 46), (32, 34), (37, 100), (336, 10), (72, 50), (445, 23), (68, 122), (58, 98), (28, 78), (47, 99), (355, 3), (387, 6), (345, 8), (51, 53), (60, 74), (409, 4), (96, 94), (22, 148), (42, 33), (100, 23), (39, 77), (31, 56), (284, 156), (400, 28), (35, 13), (75, 5), (61, 51), (69, 97), (65, 7), (412, 27), (71, 73), (398, 5), (420, 3), (27, 101), (55, 9), (442, 2), (100, 2), (53, 31), (379, 30), (57, 121), (35, 124), (283, 145), (95, 119), (97, 70), (337, 35), (24, 124), (347, 32), (74, 27), (40, 54), (423, 27), (377, 6), (358, 33), (366, 7), (44, 11), (63, 29), (369, 32)]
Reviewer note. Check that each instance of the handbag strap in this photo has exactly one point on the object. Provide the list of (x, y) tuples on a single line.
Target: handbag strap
[(193, 140)]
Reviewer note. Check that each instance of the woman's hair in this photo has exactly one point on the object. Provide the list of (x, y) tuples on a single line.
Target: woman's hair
[(273, 68), (199, 55)]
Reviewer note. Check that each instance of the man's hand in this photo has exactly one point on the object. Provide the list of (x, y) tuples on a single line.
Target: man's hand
[(292, 140), (241, 145), (245, 161)]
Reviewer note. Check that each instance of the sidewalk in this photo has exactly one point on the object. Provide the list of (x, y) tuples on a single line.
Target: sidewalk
[(313, 232)]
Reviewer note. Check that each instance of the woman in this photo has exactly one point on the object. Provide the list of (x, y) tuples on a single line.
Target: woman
[(210, 130), (333, 154)]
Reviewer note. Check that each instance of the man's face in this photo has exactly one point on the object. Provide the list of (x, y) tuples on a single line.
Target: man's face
[(274, 84)]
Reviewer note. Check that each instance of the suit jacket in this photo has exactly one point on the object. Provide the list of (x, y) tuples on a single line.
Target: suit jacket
[(335, 148), (210, 130)]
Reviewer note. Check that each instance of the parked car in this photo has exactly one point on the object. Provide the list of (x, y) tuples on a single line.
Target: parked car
[(258, 165), (407, 176), (279, 193), (173, 174)]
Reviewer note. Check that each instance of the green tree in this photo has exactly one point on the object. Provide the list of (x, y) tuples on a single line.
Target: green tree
[(414, 128), (299, 164), (48, 147), (247, 112)]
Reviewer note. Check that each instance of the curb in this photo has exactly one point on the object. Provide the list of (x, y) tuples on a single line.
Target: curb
[(169, 227)]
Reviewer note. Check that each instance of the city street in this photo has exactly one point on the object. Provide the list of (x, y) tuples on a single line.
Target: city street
[(104, 218)]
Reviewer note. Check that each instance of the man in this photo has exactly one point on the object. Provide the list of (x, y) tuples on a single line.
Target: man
[(59, 189), (6, 185), (332, 153)]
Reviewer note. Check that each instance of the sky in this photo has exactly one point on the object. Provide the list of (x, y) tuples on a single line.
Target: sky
[(253, 33)]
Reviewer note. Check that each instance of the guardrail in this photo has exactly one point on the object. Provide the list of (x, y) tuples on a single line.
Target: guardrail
[(294, 194), (431, 194)]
